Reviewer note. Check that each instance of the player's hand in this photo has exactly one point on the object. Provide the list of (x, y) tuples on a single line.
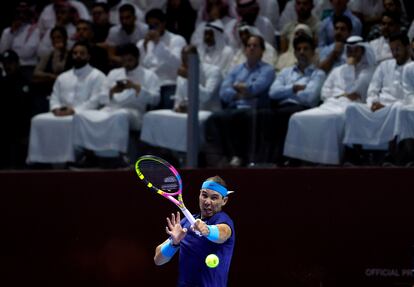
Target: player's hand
[(201, 227), (174, 228)]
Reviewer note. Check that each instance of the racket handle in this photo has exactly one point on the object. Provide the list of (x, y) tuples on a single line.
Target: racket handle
[(190, 218)]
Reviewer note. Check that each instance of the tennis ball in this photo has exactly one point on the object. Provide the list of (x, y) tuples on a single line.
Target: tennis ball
[(212, 261)]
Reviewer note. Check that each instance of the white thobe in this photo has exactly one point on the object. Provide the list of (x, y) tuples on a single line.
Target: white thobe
[(51, 136), (47, 18), (168, 129), (316, 135), (117, 36), (24, 42), (381, 49), (164, 58), (108, 128), (363, 126), (404, 127), (220, 54)]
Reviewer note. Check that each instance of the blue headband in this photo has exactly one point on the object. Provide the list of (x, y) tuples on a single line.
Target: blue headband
[(212, 185)]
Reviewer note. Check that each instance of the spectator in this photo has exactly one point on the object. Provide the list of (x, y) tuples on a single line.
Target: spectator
[(212, 10), (99, 56), (315, 135), (303, 10), (14, 112), (372, 125), (160, 51), (326, 32), (333, 55), (48, 17), (178, 24), (244, 33), (404, 122), (295, 89), (114, 12), (129, 30), (129, 90), (75, 90), (168, 128), (213, 48), (100, 20), (248, 11), (22, 37), (390, 25), (63, 19), (288, 59), (393, 7), (49, 68), (243, 90)]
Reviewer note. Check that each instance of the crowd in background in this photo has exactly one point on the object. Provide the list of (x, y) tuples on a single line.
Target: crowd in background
[(282, 83)]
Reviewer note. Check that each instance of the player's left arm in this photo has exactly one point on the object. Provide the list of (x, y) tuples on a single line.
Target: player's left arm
[(218, 233)]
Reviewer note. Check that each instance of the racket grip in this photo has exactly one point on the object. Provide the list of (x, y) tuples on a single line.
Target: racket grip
[(190, 218)]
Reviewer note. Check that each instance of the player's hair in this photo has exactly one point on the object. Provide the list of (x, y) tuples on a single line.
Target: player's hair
[(217, 179)]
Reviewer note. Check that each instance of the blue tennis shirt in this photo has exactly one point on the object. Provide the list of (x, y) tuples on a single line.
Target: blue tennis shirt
[(194, 249)]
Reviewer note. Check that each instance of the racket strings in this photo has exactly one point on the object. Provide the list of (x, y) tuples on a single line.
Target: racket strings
[(159, 175)]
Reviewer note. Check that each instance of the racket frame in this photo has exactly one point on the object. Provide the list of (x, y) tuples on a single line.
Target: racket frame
[(169, 195)]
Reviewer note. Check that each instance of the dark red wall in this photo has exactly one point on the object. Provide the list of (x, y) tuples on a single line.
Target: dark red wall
[(295, 227)]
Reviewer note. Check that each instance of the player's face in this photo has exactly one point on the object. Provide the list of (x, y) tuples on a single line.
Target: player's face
[(211, 202)]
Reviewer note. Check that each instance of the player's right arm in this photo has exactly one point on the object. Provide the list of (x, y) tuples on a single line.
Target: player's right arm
[(166, 250), (159, 258)]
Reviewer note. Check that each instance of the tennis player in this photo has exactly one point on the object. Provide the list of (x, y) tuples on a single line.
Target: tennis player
[(217, 238)]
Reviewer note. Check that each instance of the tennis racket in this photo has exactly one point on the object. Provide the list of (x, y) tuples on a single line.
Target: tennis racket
[(162, 177)]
